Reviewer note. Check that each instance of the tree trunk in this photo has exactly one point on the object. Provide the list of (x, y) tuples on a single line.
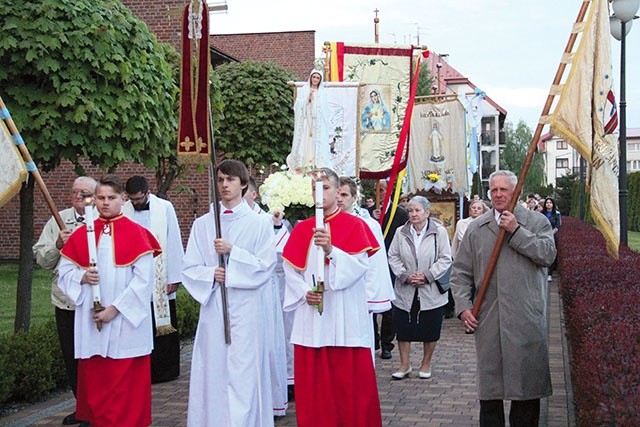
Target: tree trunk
[(167, 171), (25, 269)]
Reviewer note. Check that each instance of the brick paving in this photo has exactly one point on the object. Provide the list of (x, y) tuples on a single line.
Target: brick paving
[(448, 399)]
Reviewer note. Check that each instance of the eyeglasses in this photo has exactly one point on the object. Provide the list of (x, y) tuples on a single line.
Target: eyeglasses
[(139, 199)]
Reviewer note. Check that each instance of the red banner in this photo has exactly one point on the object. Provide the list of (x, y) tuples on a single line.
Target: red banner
[(194, 133)]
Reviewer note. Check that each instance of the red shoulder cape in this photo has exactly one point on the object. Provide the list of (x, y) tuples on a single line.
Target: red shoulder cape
[(130, 240), (348, 233)]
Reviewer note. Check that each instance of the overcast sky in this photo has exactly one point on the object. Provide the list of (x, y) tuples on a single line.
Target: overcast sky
[(509, 49)]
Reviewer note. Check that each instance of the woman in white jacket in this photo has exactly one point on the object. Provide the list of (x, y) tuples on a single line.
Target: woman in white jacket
[(419, 255)]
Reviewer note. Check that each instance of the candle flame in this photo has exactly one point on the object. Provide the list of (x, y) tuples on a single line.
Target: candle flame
[(87, 198)]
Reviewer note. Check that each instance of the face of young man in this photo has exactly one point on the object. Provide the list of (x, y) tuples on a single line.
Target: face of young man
[(230, 189), (139, 200), (250, 197), (108, 201), (501, 189), (345, 199), (329, 196)]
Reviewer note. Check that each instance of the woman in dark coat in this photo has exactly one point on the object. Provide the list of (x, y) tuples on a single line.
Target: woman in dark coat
[(553, 215)]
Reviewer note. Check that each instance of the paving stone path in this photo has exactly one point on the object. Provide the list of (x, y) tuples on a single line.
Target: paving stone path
[(448, 399)]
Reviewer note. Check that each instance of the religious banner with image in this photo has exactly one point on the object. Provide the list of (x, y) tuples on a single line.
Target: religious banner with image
[(342, 103), (384, 74), (437, 149)]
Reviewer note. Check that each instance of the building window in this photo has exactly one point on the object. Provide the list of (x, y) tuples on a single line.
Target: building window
[(561, 145), (562, 163), (633, 165), (634, 146)]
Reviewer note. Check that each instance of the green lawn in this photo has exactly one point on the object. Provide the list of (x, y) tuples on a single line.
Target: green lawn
[(634, 240), (41, 308)]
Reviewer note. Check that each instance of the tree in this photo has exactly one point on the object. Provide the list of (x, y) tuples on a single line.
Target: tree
[(257, 122), (83, 79), (567, 188), (425, 81), (517, 145)]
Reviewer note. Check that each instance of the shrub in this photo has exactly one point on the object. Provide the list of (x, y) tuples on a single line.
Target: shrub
[(8, 377), (600, 298), (30, 357), (188, 311)]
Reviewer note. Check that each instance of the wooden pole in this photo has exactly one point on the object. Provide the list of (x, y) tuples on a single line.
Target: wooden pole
[(31, 167), (482, 290)]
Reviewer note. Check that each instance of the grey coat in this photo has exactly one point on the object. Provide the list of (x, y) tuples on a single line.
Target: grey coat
[(404, 259), (511, 339)]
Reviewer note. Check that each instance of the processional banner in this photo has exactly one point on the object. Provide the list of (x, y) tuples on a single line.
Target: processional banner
[(384, 76), (342, 99), (13, 171), (586, 116), (437, 147), (194, 133)]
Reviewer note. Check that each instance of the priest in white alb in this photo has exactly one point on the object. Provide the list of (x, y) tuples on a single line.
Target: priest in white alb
[(159, 216)]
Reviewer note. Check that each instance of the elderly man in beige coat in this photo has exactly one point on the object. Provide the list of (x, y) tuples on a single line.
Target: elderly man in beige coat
[(511, 328)]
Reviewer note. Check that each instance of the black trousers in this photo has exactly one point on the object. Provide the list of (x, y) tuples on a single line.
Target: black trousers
[(64, 324), (523, 413), (165, 357), (384, 335)]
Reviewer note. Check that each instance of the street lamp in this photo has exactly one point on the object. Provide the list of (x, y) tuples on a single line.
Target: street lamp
[(624, 12)]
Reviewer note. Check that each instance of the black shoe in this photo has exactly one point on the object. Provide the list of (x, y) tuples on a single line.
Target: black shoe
[(385, 354), (70, 420)]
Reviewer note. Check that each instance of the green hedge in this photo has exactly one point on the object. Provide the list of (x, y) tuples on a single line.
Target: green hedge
[(31, 362), (633, 202), (188, 312)]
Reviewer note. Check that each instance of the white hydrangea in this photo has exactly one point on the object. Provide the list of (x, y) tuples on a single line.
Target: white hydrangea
[(282, 190)]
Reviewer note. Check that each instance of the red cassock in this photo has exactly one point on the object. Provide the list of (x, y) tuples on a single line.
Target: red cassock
[(334, 385), (114, 392)]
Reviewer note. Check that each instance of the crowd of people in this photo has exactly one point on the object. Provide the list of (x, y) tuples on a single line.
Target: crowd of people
[(291, 311)]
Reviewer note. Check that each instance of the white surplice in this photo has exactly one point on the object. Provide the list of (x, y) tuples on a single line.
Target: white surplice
[(282, 236), (127, 288), (345, 321), (379, 286), (230, 384), (162, 220)]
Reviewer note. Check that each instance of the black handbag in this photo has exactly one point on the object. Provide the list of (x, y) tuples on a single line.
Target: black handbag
[(443, 282)]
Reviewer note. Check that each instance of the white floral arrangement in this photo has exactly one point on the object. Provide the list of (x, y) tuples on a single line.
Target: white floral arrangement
[(289, 193)]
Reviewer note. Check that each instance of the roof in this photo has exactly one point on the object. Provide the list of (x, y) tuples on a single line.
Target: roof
[(451, 76)]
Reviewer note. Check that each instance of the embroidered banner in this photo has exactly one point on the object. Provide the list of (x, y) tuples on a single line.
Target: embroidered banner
[(194, 133), (586, 116), (384, 75), (437, 147)]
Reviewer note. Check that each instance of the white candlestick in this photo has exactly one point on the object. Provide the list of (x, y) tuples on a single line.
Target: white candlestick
[(319, 224), (93, 253)]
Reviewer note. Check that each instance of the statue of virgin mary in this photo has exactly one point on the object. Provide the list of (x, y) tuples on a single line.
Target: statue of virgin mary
[(310, 146)]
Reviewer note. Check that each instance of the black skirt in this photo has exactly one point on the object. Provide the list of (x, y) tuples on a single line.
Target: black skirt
[(422, 326)]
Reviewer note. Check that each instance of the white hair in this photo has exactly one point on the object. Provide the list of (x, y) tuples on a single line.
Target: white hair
[(512, 176)]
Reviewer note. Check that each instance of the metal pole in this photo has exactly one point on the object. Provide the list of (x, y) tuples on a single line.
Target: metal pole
[(622, 167)]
